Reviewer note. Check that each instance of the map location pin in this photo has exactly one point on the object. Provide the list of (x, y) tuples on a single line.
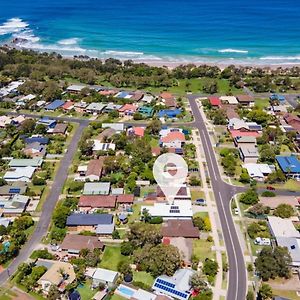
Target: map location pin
[(170, 171)]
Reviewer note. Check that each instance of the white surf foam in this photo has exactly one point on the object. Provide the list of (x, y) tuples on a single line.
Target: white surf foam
[(71, 41), (233, 51), (280, 58), (12, 26)]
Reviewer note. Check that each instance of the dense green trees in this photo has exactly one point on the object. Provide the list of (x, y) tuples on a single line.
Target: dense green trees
[(283, 211), (265, 292), (250, 197), (273, 262), (258, 229)]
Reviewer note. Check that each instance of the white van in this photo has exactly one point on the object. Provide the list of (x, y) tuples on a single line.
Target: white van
[(262, 241)]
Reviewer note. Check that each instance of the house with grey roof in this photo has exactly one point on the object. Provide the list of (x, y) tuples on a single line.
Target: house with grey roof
[(96, 188), (14, 205), (248, 153), (19, 174), (118, 127), (27, 162), (95, 107)]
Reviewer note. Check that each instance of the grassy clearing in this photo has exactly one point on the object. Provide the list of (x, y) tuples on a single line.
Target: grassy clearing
[(292, 295), (112, 257), (86, 292), (262, 103), (116, 297), (136, 212), (144, 277), (202, 250), (197, 194), (202, 214)]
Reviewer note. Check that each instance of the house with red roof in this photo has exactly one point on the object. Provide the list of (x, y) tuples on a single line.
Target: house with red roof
[(240, 133), (174, 139), (293, 121), (136, 131), (125, 199), (68, 105), (128, 109), (214, 101), (168, 99), (88, 203)]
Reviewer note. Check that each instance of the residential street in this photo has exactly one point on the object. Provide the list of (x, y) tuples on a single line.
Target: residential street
[(49, 205), (223, 192)]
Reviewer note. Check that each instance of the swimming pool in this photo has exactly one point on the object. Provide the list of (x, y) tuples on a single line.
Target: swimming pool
[(125, 291)]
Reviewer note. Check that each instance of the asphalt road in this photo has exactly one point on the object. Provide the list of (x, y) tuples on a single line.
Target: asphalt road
[(49, 205), (223, 193)]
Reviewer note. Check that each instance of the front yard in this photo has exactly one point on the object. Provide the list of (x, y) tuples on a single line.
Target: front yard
[(112, 257)]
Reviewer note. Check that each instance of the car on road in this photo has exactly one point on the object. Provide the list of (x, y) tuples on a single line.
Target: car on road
[(236, 211), (200, 201), (270, 188)]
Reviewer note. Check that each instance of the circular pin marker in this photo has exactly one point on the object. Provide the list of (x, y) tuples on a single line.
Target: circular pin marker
[(170, 171)]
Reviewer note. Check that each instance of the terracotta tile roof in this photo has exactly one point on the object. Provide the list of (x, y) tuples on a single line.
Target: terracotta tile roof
[(95, 167), (139, 131), (137, 96), (97, 201), (128, 198), (182, 192), (78, 242), (166, 95), (170, 103), (173, 136), (107, 92), (214, 101), (68, 104), (244, 98), (128, 107), (180, 228), (236, 133), (106, 133), (155, 151)]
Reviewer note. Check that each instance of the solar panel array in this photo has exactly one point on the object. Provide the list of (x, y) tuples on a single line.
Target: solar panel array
[(164, 286)]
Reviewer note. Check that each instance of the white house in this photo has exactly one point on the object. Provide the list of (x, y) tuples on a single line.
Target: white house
[(258, 171), (19, 174), (104, 276), (98, 146)]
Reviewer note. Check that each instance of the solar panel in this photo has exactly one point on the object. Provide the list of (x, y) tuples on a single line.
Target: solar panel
[(14, 190), (174, 207), (174, 211), (171, 290), (165, 283)]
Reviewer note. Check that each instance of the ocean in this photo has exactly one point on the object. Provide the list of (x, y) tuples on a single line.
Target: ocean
[(220, 31)]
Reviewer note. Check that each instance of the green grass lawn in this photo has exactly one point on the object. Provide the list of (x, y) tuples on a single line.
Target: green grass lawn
[(262, 103), (136, 212), (202, 250), (202, 214), (116, 297), (86, 292), (112, 257), (144, 277), (197, 194), (292, 295), (284, 149)]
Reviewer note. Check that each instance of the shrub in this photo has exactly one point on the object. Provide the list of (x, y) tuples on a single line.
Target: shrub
[(268, 194)]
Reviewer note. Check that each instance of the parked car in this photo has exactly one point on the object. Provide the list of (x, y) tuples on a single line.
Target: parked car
[(262, 241), (200, 202), (236, 211), (270, 188)]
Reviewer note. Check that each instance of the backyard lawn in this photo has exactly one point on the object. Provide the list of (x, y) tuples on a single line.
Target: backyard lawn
[(116, 297), (112, 257), (143, 277), (136, 213), (202, 250), (86, 292), (197, 194), (262, 103)]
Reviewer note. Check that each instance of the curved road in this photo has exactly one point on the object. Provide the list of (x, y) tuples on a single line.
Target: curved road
[(223, 192), (48, 207)]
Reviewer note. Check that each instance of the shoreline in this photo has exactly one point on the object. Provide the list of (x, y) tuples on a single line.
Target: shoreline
[(170, 62)]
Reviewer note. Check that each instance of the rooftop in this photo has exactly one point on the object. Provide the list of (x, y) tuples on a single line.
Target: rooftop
[(282, 227), (89, 219), (180, 228), (288, 164), (78, 242)]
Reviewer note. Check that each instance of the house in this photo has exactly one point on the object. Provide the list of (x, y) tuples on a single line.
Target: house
[(147, 98), (179, 209), (173, 139), (123, 95), (238, 124), (102, 276), (128, 109), (19, 174), (245, 100), (18, 120), (96, 188), (75, 88), (126, 199), (91, 222), (118, 127), (229, 100), (169, 113), (117, 191), (59, 274), (49, 123), (146, 111), (273, 202), (136, 131), (258, 171), (94, 169), (4, 120), (74, 243), (240, 133), (11, 88), (35, 150), (14, 205), (106, 134), (88, 203), (178, 286), (69, 105), (95, 108), (37, 139), (98, 146), (13, 189), (214, 101), (111, 107), (279, 109), (60, 128), (26, 162), (54, 105), (290, 166), (137, 96), (244, 140), (183, 193), (80, 106), (248, 153), (293, 121), (180, 228), (287, 236), (168, 99)]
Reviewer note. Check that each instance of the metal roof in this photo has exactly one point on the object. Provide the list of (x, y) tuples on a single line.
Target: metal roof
[(89, 219)]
